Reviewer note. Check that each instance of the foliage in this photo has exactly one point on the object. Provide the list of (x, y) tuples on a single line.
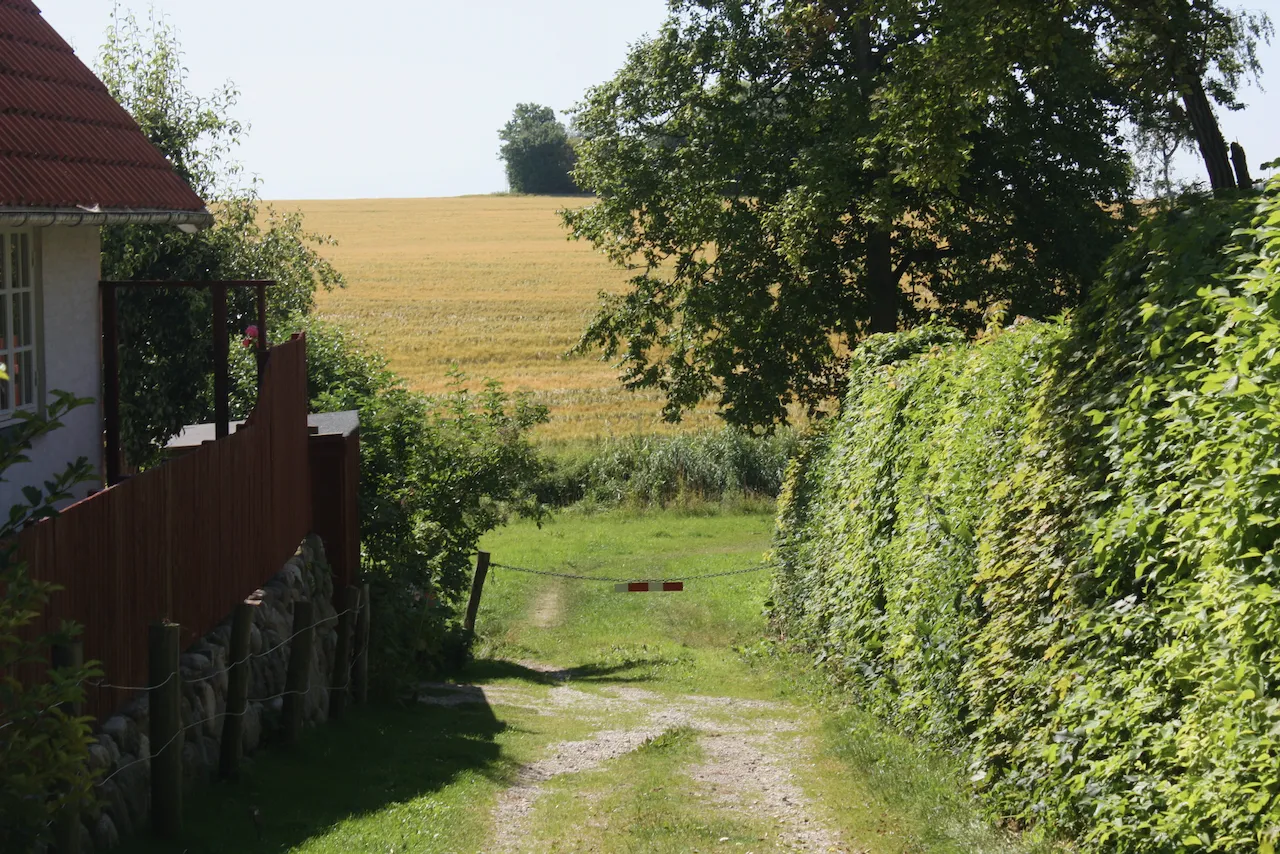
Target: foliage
[(43, 748), (435, 474), (1174, 59), (1067, 566), (537, 152), (166, 334), (776, 173), (721, 465)]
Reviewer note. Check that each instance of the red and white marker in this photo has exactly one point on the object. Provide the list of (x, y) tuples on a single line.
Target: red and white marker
[(648, 586)]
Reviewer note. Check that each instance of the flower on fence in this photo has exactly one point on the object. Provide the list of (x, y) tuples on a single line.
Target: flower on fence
[(250, 335)]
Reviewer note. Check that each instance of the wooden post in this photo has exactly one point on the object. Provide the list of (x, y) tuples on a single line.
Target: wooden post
[(477, 586), (221, 370), (340, 682), (360, 676), (166, 730), (237, 692), (297, 676), (263, 343), (111, 381), (69, 655), (68, 832)]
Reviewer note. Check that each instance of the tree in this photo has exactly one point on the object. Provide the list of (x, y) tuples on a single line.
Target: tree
[(166, 351), (537, 152), (1175, 59), (787, 177)]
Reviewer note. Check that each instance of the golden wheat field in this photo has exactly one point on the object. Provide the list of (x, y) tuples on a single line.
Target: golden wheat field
[(487, 282)]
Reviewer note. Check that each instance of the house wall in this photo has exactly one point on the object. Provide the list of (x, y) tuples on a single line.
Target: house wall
[(69, 264)]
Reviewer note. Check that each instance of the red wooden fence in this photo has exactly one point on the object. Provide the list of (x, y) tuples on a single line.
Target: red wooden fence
[(185, 541)]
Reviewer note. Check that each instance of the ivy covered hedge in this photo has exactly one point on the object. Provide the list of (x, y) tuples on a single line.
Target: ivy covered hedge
[(1055, 549)]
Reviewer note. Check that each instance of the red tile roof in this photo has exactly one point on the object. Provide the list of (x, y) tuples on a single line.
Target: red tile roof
[(64, 141)]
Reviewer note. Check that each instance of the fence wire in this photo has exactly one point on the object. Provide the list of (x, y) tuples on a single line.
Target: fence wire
[(88, 683), (612, 579)]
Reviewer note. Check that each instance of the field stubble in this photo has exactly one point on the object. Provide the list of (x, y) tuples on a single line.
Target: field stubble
[(492, 284)]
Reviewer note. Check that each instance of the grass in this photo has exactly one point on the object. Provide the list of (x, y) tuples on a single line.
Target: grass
[(491, 283), (890, 794), (426, 778)]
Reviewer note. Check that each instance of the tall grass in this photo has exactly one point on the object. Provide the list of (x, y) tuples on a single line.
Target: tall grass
[(654, 470)]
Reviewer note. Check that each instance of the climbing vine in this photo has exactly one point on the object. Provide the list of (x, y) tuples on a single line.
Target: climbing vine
[(1055, 549)]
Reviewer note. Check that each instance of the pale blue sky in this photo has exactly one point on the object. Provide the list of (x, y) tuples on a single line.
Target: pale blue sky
[(399, 98)]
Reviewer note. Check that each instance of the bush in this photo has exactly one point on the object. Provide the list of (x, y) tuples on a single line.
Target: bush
[(1055, 549), (436, 474), (43, 749), (712, 466)]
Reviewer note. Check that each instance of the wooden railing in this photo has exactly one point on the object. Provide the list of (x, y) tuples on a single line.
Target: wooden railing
[(185, 541)]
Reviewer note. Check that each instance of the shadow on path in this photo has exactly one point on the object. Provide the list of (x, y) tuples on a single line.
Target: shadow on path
[(488, 670), (374, 757)]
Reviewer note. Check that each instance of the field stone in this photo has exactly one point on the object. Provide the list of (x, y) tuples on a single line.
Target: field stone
[(113, 750), (105, 835), (99, 757), (115, 804), (252, 727), (88, 823)]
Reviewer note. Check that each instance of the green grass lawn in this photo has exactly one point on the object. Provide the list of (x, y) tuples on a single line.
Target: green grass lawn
[(429, 778)]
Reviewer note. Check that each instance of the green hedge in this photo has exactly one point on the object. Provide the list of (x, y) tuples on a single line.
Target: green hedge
[(1054, 550)]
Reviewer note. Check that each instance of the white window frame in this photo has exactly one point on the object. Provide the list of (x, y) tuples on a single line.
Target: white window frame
[(26, 295)]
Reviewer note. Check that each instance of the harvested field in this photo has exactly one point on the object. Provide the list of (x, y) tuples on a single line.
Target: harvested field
[(490, 283)]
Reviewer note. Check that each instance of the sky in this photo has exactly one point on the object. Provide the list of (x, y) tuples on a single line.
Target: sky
[(382, 98), (404, 98)]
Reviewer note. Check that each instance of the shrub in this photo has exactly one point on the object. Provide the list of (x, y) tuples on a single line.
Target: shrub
[(1055, 549), (711, 466), (435, 475), (43, 749)]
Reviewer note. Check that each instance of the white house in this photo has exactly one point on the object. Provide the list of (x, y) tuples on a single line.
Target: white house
[(71, 160)]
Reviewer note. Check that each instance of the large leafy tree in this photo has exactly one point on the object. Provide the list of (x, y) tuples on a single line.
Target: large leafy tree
[(1175, 60), (537, 152), (166, 354), (785, 177)]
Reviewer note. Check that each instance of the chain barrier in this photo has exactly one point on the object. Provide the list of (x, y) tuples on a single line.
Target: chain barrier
[(621, 580)]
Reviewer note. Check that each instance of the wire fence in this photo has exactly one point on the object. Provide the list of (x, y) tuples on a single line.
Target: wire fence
[(616, 579), (224, 671), (182, 730)]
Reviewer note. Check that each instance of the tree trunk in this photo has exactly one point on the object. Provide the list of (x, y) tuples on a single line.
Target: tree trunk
[(882, 290), (1204, 124), (1241, 164)]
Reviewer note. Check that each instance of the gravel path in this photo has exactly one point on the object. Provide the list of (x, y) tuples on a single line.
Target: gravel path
[(750, 750)]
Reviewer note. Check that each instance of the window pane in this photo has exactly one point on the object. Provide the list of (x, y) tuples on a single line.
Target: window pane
[(21, 319), (5, 241), (23, 378), (22, 271), (15, 261), (4, 328)]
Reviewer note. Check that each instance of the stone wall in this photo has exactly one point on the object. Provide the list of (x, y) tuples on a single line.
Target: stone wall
[(124, 798)]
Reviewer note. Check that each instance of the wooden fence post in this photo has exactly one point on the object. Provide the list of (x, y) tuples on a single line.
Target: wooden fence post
[(360, 690), (348, 604), (237, 692), (477, 586), (297, 676), (68, 832), (166, 729)]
